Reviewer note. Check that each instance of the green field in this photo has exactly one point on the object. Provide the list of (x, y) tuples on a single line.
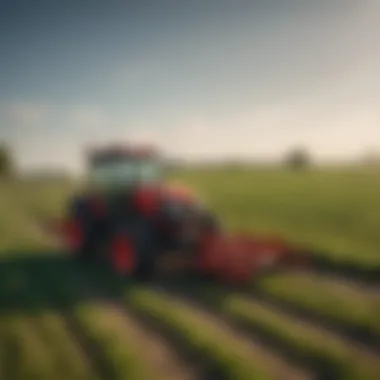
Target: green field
[(337, 211), (59, 321)]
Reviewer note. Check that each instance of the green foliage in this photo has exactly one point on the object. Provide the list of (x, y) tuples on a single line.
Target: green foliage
[(7, 166), (298, 159)]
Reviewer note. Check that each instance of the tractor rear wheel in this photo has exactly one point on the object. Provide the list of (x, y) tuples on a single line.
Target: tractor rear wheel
[(144, 271), (91, 250), (86, 234)]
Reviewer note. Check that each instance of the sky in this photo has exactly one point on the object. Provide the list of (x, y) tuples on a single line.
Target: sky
[(201, 79)]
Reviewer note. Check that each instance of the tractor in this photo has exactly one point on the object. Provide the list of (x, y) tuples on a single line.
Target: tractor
[(128, 217)]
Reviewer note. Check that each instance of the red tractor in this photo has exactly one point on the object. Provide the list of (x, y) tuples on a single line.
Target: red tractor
[(130, 219)]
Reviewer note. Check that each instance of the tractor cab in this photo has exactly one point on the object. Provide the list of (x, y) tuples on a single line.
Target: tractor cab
[(120, 169)]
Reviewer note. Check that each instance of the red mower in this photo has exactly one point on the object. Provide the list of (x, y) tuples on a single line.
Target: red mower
[(130, 219)]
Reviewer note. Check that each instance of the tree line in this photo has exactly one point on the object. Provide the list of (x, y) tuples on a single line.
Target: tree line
[(296, 159), (7, 163)]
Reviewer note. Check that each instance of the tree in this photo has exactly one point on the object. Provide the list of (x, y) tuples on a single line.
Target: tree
[(298, 159), (371, 158), (6, 161)]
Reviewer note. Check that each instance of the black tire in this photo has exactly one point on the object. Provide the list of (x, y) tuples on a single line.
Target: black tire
[(95, 232), (144, 271), (90, 251), (83, 255)]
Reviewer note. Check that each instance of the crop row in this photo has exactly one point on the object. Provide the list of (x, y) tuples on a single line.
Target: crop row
[(24, 356), (347, 309), (112, 355), (305, 344), (198, 336), (366, 270), (24, 330), (84, 342), (36, 342)]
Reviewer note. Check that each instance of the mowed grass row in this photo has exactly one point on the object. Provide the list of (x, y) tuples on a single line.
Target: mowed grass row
[(207, 345), (351, 310), (23, 354), (198, 336), (35, 342), (327, 355), (112, 356), (72, 362), (32, 341), (328, 210)]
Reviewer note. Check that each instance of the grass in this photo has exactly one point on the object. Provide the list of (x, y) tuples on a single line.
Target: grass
[(117, 356), (326, 354), (337, 211), (69, 359), (200, 335), (44, 346), (348, 308), (32, 360), (120, 354), (22, 204)]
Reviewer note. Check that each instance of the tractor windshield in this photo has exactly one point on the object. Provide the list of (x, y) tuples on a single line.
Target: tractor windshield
[(124, 172), (113, 174), (149, 171)]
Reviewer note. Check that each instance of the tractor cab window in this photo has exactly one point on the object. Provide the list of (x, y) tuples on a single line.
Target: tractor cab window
[(115, 173), (149, 171)]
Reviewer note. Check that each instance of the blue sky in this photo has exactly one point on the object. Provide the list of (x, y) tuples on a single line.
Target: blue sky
[(202, 79)]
